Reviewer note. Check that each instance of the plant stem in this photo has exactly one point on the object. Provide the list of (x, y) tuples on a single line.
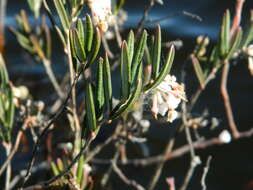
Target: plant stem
[(7, 147), (160, 166), (73, 97), (50, 73), (226, 100)]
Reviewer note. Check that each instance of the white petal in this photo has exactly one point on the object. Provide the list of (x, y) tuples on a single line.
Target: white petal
[(172, 115), (225, 136)]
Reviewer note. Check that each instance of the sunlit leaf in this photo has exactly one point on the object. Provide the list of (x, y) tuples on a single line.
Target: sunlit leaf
[(63, 15), (156, 53), (90, 108), (125, 68), (125, 105), (138, 54), (165, 70), (107, 83)]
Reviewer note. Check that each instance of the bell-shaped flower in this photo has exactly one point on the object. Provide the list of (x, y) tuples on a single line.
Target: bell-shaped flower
[(101, 13)]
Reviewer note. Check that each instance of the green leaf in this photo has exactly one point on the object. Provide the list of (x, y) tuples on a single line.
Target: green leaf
[(96, 47), (35, 6), (225, 34), (165, 70), (90, 108), (61, 36), (107, 83), (156, 53), (62, 14), (88, 33), (23, 40), (138, 54), (198, 70), (100, 99), (118, 6), (130, 44), (236, 43), (80, 30), (54, 168), (125, 69), (79, 49), (80, 171), (125, 105), (248, 34)]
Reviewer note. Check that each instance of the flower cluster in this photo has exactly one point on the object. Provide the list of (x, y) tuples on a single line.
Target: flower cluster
[(167, 97), (101, 12)]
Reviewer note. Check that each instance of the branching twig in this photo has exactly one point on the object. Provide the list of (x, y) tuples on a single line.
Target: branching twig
[(145, 15), (125, 179), (176, 153), (50, 122), (160, 166), (14, 149), (52, 78), (226, 100), (206, 169)]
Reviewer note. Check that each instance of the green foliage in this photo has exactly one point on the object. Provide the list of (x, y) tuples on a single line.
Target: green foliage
[(7, 107)]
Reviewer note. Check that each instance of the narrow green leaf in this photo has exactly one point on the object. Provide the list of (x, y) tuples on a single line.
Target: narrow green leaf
[(62, 14), (79, 49), (72, 44), (125, 68), (125, 105), (107, 83), (236, 43), (80, 171), (198, 70), (80, 30), (11, 109), (96, 47), (156, 53), (90, 108), (138, 54), (165, 70), (225, 34), (100, 100), (248, 34), (61, 36), (54, 168), (60, 164), (130, 44), (89, 32), (23, 40)]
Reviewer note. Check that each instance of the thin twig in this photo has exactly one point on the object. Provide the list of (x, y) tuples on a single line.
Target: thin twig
[(125, 179), (14, 149), (184, 13), (107, 174), (226, 100), (144, 17), (66, 170), (200, 144), (50, 73), (7, 147), (50, 123), (194, 163), (160, 166), (206, 169)]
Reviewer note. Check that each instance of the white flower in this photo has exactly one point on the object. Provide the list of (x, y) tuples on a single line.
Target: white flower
[(172, 115), (249, 50), (250, 65), (225, 136), (101, 12), (167, 97)]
